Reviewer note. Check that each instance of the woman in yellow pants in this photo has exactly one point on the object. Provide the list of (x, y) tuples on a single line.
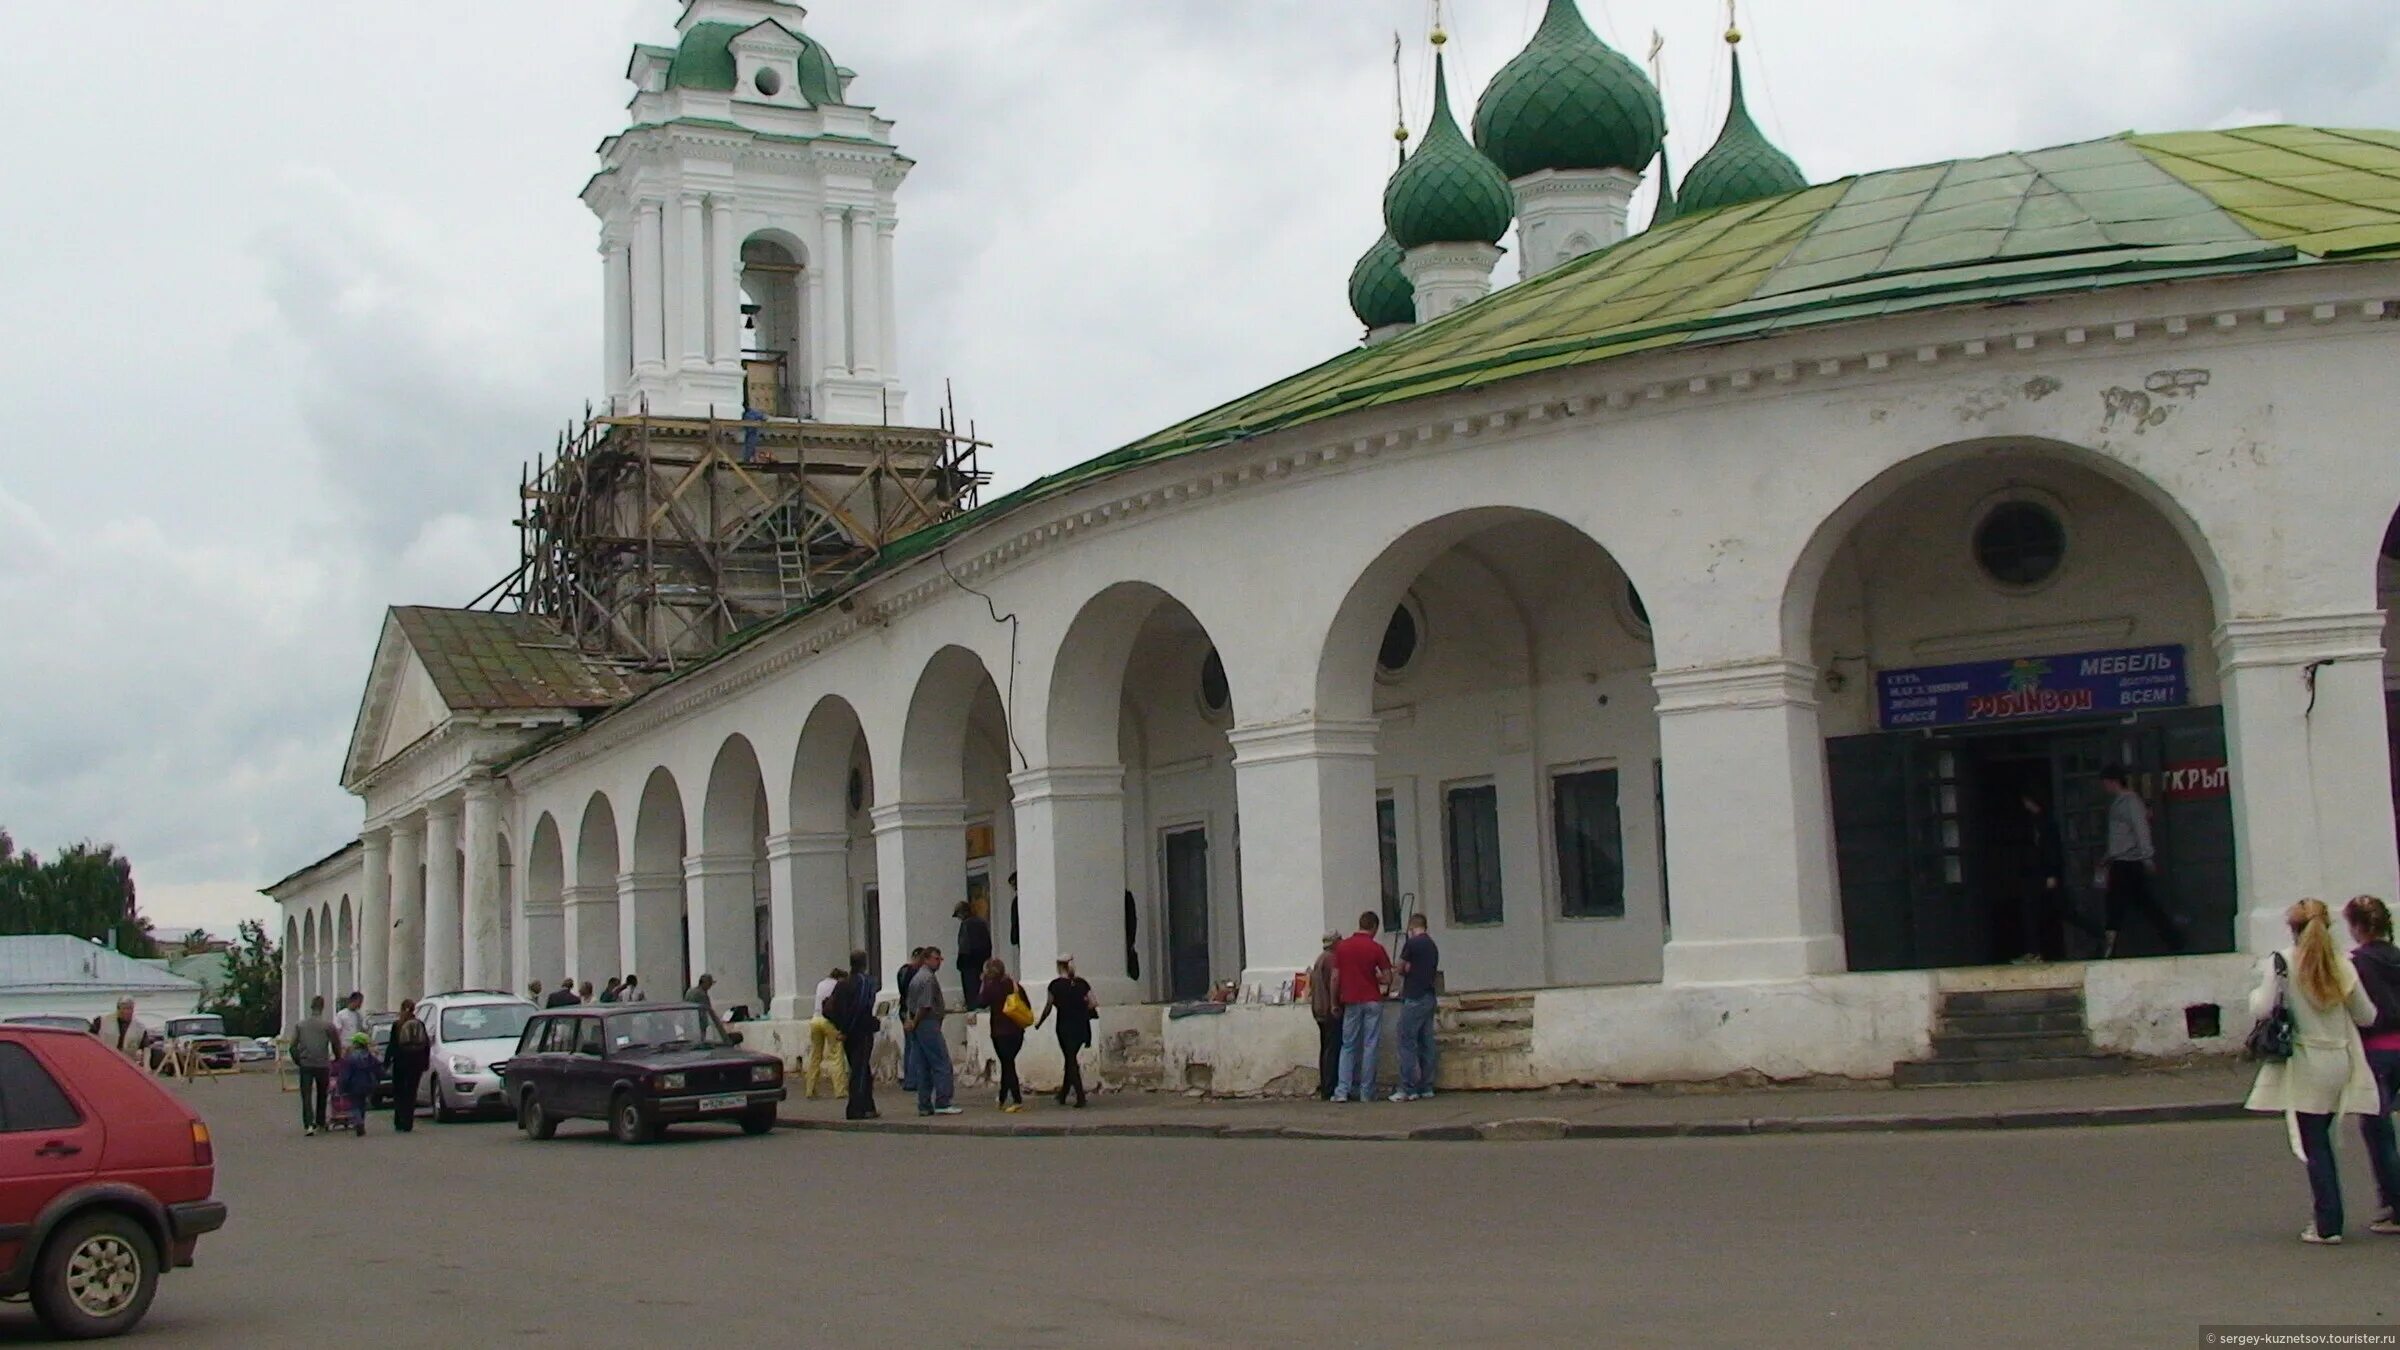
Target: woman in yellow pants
[(825, 1057)]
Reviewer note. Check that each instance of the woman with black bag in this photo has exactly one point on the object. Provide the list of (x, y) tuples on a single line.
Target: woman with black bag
[(2309, 1006)]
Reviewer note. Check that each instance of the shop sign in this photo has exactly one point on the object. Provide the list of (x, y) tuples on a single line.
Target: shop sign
[(2131, 679), (2197, 780)]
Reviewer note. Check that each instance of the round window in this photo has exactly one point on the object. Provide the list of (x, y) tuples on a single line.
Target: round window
[(768, 81), (1400, 640), (1215, 694), (2020, 543)]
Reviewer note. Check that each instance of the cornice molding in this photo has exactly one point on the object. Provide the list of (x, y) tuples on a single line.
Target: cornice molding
[(2299, 639), (1305, 738), (1745, 685)]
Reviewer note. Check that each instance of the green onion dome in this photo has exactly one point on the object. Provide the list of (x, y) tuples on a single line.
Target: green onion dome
[(1742, 166), (1447, 192), (1569, 101), (1380, 294), (704, 60)]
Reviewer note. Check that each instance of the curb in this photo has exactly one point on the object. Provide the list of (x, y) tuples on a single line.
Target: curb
[(1544, 1128)]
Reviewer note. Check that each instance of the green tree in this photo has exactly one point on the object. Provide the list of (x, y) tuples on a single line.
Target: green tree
[(86, 892), (251, 1002)]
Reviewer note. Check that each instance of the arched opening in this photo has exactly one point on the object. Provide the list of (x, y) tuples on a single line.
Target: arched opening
[(310, 985), (729, 884), (829, 854), (774, 326), (650, 898), (1147, 888), (294, 983), (545, 904), (1996, 629), (1505, 659), (345, 940), (591, 929), (325, 945), (950, 839)]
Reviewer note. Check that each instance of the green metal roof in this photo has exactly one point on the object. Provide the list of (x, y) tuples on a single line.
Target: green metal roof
[(1380, 294), (1447, 192), (484, 661), (1569, 101), (705, 61), (2127, 210), (1742, 166)]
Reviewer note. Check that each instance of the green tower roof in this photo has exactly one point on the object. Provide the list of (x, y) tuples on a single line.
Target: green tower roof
[(1569, 101), (705, 61), (1663, 210), (1742, 166), (1447, 192), (1379, 291)]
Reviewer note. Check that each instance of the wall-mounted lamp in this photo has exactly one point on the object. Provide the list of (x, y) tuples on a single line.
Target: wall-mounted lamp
[(750, 317)]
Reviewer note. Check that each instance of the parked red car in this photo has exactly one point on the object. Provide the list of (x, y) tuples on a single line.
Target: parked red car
[(104, 1181)]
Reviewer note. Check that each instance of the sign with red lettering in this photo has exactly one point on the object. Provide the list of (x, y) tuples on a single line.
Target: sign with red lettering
[(2197, 780)]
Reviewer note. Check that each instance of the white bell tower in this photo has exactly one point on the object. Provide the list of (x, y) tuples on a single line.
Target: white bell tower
[(746, 223)]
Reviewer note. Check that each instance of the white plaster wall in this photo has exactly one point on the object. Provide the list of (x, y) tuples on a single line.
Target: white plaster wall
[(2136, 1007), (1854, 1026)]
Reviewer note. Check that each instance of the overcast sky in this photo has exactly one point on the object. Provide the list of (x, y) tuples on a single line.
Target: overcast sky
[(289, 290)]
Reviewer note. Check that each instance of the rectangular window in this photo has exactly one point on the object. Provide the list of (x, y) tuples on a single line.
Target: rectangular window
[(1471, 826), (1387, 858), (1591, 844), (30, 1099)]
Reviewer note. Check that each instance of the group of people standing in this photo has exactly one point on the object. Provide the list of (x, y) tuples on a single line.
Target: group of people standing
[(2343, 1052), (1346, 990), (569, 994), (336, 1055), (845, 1025)]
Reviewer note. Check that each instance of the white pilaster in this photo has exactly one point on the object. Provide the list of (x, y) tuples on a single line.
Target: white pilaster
[(808, 902), (724, 287), (445, 931), (616, 313), (1749, 837), (649, 295), (687, 299), (2305, 739), (888, 321), (1306, 792), (866, 303), (407, 945), (921, 868), (1447, 276), (375, 918), (1563, 214), (486, 957), (1071, 874), (589, 935), (833, 335), (650, 931)]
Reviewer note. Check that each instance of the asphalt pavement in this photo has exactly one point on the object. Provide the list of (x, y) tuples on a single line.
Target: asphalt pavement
[(468, 1235)]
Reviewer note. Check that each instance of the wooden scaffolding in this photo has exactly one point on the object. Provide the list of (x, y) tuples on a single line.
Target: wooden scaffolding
[(651, 540)]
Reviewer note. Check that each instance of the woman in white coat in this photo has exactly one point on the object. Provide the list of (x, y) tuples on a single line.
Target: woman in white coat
[(2327, 1074)]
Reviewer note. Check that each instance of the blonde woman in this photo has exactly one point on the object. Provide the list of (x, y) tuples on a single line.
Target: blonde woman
[(2327, 1073)]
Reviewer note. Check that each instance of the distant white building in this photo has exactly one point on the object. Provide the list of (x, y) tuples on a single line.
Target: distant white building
[(72, 977), (1682, 628)]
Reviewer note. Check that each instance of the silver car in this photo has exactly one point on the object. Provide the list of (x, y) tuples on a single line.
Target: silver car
[(470, 1030)]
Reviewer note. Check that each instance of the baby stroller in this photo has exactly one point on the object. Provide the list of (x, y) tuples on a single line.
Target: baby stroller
[(342, 1111)]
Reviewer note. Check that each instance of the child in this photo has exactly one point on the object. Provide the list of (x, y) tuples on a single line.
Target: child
[(355, 1079)]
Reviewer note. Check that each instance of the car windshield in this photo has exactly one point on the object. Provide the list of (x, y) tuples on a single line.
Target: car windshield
[(663, 1027), (196, 1026), (485, 1022)]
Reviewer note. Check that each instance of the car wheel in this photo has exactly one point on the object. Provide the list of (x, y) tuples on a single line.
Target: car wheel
[(442, 1114), (96, 1276), (758, 1119), (629, 1121), (534, 1120)]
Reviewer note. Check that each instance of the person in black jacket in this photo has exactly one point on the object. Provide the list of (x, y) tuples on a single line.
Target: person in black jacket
[(2378, 964), (851, 1009), (974, 948), (2043, 924), (411, 1050)]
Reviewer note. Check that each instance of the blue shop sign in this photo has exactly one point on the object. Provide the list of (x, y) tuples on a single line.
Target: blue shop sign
[(2132, 679)]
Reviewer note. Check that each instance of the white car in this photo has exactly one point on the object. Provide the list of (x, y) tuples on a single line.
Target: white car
[(471, 1030)]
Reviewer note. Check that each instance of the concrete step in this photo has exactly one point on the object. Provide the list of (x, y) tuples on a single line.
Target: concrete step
[(2028, 1045), (1928, 1072), (2010, 1023), (2013, 1001)]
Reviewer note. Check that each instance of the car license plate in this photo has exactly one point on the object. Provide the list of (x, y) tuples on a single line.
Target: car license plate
[(729, 1102)]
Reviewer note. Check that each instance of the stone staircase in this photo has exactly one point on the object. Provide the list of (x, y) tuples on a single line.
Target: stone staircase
[(1131, 1061), (1485, 1040), (2012, 1035)]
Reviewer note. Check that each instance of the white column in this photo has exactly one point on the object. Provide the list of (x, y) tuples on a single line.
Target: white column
[(2305, 739), (866, 294), (590, 935), (375, 918), (650, 931), (1749, 838), (1447, 276), (1306, 793), (1071, 874), (445, 964), (833, 332), (921, 872), (485, 942), (406, 979), (648, 264), (343, 970), (887, 323), (808, 899), (616, 313), (723, 916), (692, 287), (293, 992), (725, 286)]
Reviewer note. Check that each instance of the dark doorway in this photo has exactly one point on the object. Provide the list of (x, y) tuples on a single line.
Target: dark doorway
[(1187, 914)]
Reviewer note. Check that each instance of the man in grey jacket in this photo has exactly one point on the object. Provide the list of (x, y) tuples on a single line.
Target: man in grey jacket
[(313, 1054), (2129, 864)]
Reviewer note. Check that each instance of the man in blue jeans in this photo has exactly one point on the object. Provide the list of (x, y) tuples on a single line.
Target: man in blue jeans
[(925, 1012), (1420, 965), (1362, 970)]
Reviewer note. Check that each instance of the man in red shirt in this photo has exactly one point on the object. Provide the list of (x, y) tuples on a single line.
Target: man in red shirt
[(1362, 969)]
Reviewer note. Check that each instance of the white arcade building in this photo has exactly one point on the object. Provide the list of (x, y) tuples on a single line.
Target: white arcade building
[(1682, 624)]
